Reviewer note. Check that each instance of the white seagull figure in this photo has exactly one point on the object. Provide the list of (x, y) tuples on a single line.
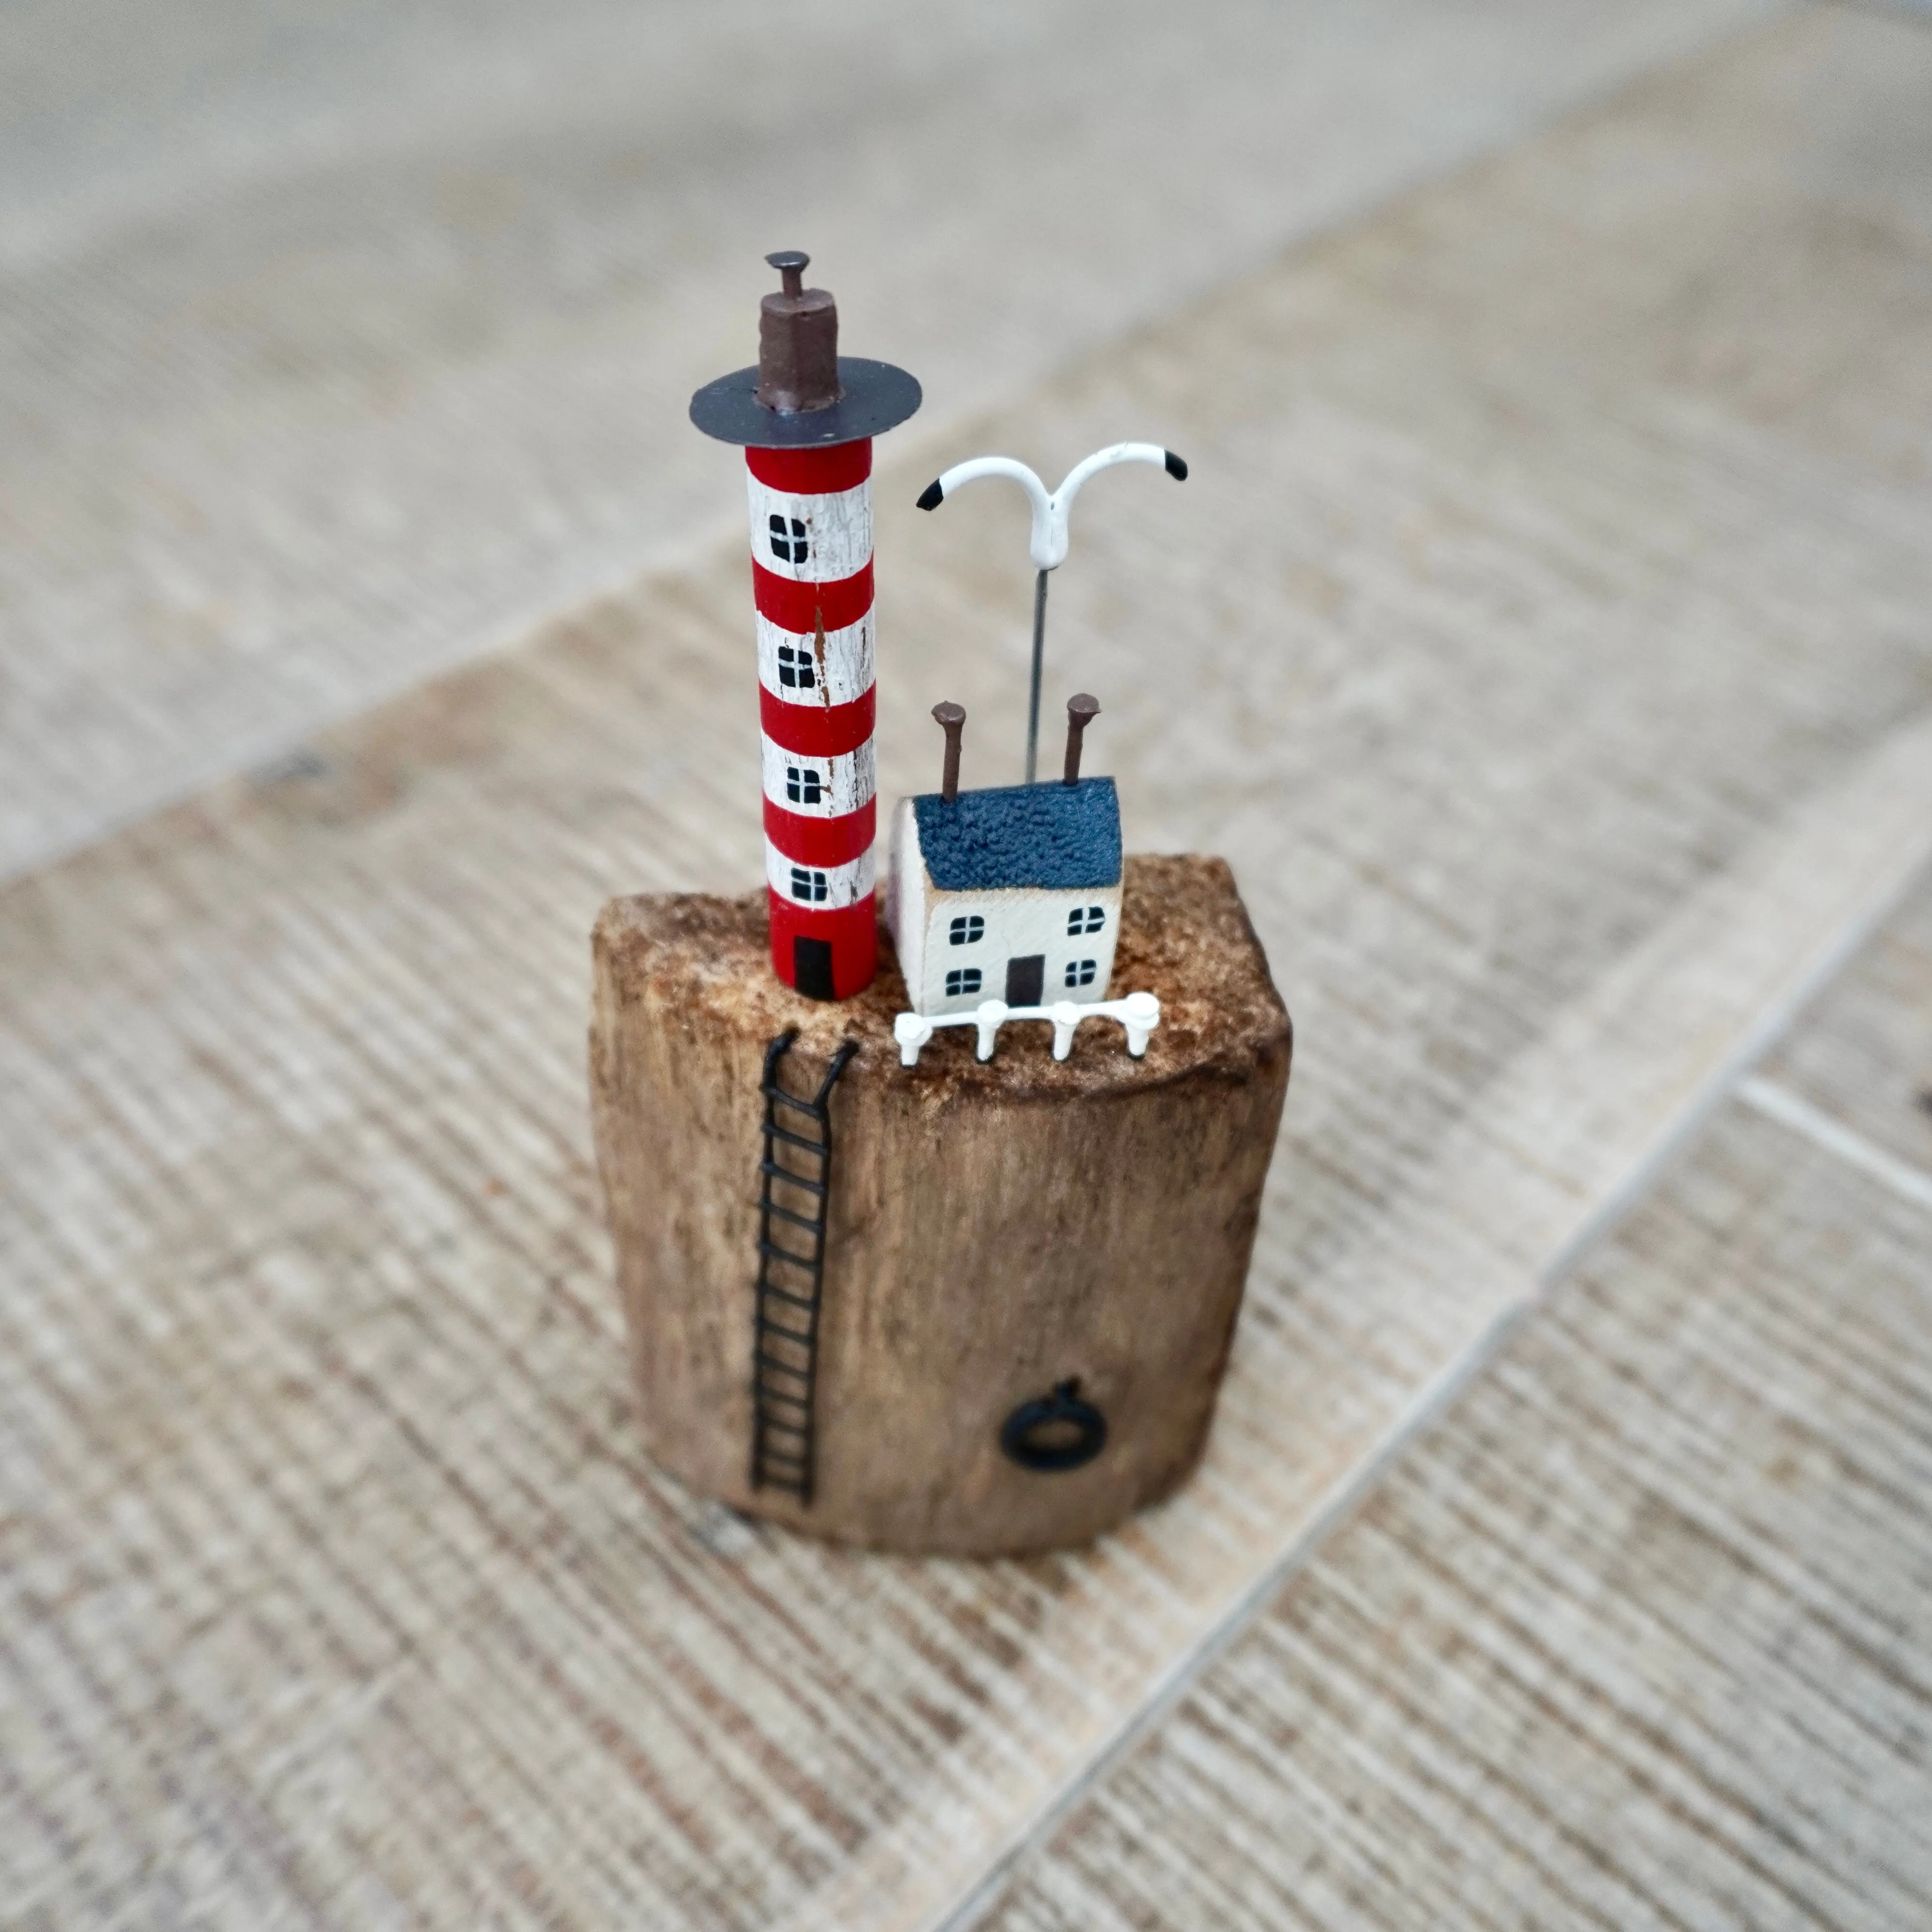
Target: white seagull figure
[(1048, 544)]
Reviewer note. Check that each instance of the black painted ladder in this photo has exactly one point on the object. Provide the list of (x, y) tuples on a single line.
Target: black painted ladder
[(797, 1164)]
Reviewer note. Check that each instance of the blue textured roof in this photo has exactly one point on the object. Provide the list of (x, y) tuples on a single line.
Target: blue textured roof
[(1054, 834)]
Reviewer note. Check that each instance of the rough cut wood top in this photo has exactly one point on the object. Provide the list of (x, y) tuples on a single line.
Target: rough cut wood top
[(1185, 936)]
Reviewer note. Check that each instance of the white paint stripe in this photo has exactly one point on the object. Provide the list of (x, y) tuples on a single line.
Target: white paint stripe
[(1791, 1110), (1571, 1136), (841, 668), (844, 783), (845, 885), (833, 531)]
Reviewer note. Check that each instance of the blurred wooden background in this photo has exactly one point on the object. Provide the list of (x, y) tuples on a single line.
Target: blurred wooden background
[(1542, 635)]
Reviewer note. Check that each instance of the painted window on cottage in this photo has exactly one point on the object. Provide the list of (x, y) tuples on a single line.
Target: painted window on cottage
[(796, 668), (962, 979), (1085, 919), (807, 884), (789, 544), (804, 786), (968, 929), (1081, 972)]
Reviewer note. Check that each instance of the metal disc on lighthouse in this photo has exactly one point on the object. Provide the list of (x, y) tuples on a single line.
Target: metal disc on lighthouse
[(805, 416)]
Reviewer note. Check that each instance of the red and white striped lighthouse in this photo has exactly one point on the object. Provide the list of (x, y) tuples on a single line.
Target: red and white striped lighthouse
[(806, 417)]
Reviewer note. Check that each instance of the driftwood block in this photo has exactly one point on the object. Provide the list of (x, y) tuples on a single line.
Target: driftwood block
[(993, 1230)]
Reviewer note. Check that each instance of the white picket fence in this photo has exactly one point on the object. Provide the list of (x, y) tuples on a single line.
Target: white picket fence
[(1138, 1013)]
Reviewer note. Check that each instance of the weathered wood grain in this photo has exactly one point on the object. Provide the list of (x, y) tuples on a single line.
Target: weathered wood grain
[(994, 1229), (1540, 635), (1638, 1637), (341, 346)]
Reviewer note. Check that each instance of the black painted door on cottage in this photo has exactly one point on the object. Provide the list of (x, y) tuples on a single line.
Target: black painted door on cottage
[(812, 966), (1026, 980)]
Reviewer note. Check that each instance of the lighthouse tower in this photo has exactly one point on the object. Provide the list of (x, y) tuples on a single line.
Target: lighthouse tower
[(805, 417)]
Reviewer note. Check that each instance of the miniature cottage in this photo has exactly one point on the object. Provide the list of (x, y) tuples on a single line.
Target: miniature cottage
[(1012, 894)]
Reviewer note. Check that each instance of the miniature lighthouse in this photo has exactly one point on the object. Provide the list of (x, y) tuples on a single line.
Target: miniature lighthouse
[(805, 417)]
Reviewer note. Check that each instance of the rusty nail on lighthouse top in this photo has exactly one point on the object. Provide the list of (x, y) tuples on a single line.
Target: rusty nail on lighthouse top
[(801, 393)]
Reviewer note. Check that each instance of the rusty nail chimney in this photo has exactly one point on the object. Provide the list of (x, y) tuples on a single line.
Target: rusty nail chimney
[(952, 721), (798, 341), (1082, 710)]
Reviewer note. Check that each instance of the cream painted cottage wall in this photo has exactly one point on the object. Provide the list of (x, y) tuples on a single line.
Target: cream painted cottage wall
[(1020, 921)]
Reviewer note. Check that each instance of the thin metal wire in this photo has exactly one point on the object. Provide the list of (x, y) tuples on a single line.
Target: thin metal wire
[(1039, 664)]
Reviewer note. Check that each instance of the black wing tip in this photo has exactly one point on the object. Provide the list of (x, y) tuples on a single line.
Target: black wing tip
[(1176, 468), (931, 497)]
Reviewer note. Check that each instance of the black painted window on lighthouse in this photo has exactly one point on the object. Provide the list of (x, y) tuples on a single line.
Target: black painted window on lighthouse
[(807, 883), (796, 668), (788, 539), (803, 786)]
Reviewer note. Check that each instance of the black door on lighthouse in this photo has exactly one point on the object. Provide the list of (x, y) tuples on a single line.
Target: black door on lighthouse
[(1026, 980), (812, 966)]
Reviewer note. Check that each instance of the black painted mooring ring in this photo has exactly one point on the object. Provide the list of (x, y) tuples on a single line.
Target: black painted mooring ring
[(1064, 1405)]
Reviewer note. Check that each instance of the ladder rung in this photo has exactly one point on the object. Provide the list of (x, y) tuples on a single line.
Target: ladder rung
[(785, 1295), (773, 1132), (765, 1361), (796, 1220), (808, 1262), (811, 1264), (766, 1454), (769, 1422), (766, 1395), (762, 1318), (804, 1106), (778, 1173)]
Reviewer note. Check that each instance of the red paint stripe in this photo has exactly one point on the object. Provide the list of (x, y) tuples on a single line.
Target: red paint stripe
[(822, 842), (818, 730), (812, 473), (803, 607), (852, 931)]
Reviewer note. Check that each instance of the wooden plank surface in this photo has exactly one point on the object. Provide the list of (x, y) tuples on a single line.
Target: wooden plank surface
[(1555, 677), (340, 342), (1638, 1637), (1868, 1061)]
